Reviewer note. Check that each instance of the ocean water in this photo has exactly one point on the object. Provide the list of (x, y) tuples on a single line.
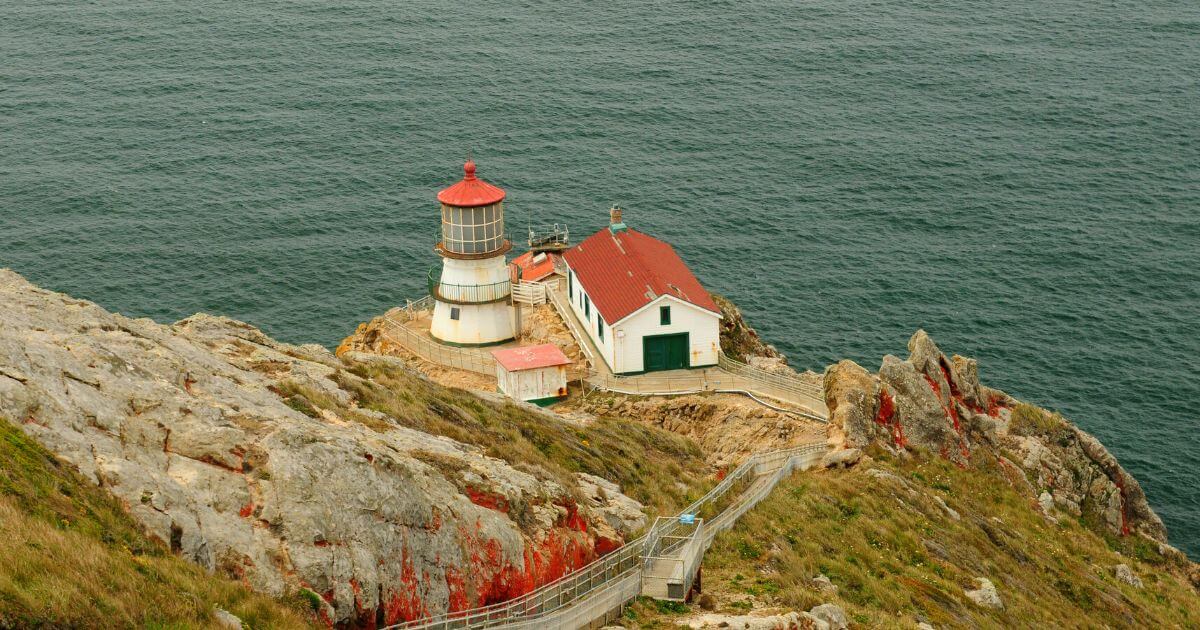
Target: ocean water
[(1021, 179)]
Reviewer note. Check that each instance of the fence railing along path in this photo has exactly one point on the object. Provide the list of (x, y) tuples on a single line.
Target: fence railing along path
[(728, 375), (421, 344), (594, 594)]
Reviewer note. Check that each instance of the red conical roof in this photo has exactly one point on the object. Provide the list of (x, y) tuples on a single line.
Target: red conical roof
[(471, 191)]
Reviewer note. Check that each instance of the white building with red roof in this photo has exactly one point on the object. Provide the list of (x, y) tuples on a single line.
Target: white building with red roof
[(642, 307)]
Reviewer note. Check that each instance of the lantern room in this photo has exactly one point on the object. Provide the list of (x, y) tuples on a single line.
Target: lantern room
[(472, 217)]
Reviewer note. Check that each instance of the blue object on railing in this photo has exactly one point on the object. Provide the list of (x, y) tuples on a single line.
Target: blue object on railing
[(687, 519)]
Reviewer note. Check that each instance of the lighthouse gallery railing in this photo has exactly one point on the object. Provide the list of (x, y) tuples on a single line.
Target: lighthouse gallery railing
[(468, 293)]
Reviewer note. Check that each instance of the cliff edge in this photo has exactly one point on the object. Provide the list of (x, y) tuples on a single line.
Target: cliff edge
[(291, 470), (934, 403)]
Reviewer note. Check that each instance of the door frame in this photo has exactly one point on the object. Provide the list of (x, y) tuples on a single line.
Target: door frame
[(687, 350)]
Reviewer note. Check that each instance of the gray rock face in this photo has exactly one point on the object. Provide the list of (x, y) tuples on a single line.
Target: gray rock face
[(1046, 502), (832, 615), (843, 458), (184, 425), (1126, 575), (938, 404), (824, 584), (619, 511), (852, 396), (946, 508), (1083, 478), (921, 413), (227, 620), (986, 595)]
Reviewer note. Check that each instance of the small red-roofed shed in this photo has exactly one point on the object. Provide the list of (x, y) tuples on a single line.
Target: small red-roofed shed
[(536, 374)]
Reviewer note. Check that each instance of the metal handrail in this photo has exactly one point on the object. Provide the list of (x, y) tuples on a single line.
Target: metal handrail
[(554, 236), (576, 586), (697, 382), (556, 298), (797, 384), (467, 293), (422, 345)]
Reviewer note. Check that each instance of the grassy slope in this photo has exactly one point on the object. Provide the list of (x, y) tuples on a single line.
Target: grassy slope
[(868, 536), (73, 557), (662, 470)]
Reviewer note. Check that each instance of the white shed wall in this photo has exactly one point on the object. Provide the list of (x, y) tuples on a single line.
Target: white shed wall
[(535, 384), (606, 346)]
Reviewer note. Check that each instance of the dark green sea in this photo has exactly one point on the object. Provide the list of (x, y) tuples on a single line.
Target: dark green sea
[(1021, 178)]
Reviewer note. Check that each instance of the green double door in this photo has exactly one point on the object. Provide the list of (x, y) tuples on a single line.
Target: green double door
[(665, 352)]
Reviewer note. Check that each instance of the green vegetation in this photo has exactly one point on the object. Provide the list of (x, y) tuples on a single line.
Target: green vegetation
[(662, 470), (1030, 420), (897, 556), (74, 558)]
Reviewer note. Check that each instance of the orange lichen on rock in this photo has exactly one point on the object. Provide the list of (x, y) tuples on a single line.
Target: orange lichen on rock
[(405, 604), (573, 520), (491, 578), (458, 590), (490, 500), (886, 416)]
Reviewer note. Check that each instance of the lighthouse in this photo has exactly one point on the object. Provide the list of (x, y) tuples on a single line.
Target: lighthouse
[(472, 294)]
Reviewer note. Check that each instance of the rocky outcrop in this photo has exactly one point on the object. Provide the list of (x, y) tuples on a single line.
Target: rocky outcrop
[(934, 403), (831, 614), (986, 595), (193, 427), (739, 340), (1126, 575), (854, 398)]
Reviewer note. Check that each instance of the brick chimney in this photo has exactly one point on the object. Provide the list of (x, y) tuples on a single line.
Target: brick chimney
[(614, 215)]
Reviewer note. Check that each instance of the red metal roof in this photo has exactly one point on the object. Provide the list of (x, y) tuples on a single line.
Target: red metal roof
[(533, 271), (627, 270), (471, 191), (530, 357)]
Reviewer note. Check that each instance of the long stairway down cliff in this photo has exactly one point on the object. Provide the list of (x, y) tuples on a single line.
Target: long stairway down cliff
[(660, 564)]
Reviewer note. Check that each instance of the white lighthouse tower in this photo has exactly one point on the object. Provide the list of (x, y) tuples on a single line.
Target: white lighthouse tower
[(473, 305)]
